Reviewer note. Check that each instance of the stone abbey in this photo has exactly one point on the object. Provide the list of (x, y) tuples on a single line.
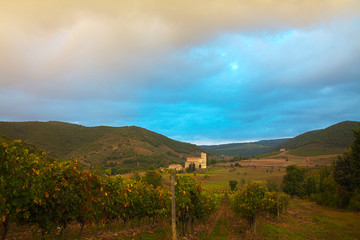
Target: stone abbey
[(200, 162)]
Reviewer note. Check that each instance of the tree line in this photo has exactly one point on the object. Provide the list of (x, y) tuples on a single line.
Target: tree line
[(335, 186)]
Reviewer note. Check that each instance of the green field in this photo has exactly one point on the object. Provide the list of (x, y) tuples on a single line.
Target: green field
[(218, 178), (307, 152)]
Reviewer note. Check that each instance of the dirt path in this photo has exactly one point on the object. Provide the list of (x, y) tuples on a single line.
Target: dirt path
[(222, 226)]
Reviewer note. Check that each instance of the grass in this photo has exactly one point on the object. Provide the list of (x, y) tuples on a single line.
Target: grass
[(156, 234), (307, 220), (218, 232)]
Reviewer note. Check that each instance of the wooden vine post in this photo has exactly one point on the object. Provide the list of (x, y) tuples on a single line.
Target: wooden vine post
[(173, 207), (278, 208)]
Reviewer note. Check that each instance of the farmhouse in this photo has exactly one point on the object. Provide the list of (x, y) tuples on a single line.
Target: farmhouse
[(177, 167), (200, 162)]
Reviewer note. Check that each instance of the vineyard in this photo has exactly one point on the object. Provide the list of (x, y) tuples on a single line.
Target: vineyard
[(37, 190), (49, 198)]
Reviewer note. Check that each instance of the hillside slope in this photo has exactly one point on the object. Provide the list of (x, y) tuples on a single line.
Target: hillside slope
[(334, 138), (245, 149), (119, 148)]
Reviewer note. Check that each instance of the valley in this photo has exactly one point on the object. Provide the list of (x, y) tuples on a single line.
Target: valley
[(213, 216)]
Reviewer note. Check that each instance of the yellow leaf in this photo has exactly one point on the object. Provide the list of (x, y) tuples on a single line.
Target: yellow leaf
[(46, 194)]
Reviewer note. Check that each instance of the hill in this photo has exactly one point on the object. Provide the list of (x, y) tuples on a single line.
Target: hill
[(333, 139), (120, 148), (245, 149)]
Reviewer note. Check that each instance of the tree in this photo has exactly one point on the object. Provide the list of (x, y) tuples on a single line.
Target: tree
[(293, 182), (310, 185), (191, 168), (355, 159), (347, 174), (347, 166), (343, 172), (212, 162), (233, 184), (324, 173)]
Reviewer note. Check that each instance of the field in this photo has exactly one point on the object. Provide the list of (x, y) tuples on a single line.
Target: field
[(260, 170), (218, 178)]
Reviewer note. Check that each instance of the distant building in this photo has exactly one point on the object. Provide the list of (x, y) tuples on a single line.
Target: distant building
[(282, 150), (177, 167), (200, 162)]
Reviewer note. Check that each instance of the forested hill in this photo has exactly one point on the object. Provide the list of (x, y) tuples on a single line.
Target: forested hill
[(245, 149), (337, 136), (119, 148), (334, 139)]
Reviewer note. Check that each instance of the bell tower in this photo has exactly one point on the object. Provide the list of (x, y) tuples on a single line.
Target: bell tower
[(203, 157)]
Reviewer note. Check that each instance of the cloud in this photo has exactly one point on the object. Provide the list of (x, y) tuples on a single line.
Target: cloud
[(203, 68), (46, 40)]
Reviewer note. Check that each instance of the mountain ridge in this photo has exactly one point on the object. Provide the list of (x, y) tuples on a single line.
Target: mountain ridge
[(333, 139), (339, 135), (245, 149), (119, 148)]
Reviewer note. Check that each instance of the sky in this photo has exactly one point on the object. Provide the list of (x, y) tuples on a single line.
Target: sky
[(204, 71)]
